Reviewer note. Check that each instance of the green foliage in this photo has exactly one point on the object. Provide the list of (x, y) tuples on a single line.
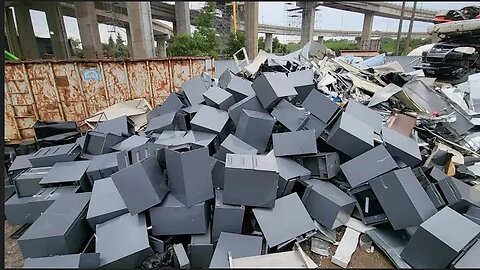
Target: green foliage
[(235, 43), (292, 46), (277, 47), (204, 40), (115, 48), (389, 44), (261, 43), (183, 45), (342, 44), (76, 50)]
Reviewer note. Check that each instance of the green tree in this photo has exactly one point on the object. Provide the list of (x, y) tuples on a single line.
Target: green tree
[(115, 48), (121, 50), (204, 40), (76, 50), (235, 43), (261, 43), (182, 45), (278, 47)]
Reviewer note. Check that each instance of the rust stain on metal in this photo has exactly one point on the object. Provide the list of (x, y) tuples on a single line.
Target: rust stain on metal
[(198, 67), (180, 73), (57, 93), (116, 82), (104, 84), (52, 90), (11, 126), (62, 81), (82, 90), (160, 81), (138, 79), (149, 81), (94, 92), (125, 69), (44, 92)]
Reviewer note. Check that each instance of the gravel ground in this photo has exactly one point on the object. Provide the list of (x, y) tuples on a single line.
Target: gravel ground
[(13, 255), (360, 259)]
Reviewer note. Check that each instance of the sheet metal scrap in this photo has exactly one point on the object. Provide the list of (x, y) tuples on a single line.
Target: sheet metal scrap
[(175, 168)]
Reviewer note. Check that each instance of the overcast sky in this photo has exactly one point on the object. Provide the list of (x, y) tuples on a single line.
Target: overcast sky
[(274, 13)]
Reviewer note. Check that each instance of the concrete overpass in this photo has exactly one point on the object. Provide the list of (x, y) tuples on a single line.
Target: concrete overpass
[(381, 9), (285, 30), (143, 29), (121, 17), (369, 9)]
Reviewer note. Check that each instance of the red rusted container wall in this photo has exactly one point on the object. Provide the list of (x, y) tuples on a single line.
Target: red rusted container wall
[(53, 90)]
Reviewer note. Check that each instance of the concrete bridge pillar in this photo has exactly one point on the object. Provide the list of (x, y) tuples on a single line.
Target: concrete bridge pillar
[(269, 42), (129, 41), (58, 35), (367, 27), (141, 29), (182, 18), (88, 26), (308, 21), (251, 29), (11, 33), (28, 41), (161, 45)]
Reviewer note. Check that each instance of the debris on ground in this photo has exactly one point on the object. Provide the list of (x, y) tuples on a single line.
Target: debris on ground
[(238, 171)]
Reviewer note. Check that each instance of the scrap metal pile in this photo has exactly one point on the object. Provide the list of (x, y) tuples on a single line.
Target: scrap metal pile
[(238, 171), (457, 55)]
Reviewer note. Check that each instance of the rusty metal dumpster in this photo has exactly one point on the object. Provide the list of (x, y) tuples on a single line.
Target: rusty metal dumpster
[(73, 90)]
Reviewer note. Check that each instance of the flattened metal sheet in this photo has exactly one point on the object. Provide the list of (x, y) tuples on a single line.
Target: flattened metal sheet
[(284, 222)]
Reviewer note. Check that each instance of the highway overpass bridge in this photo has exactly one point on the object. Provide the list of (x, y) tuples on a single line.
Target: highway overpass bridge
[(140, 20)]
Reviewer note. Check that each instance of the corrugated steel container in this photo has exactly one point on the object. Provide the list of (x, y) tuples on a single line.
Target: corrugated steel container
[(73, 90)]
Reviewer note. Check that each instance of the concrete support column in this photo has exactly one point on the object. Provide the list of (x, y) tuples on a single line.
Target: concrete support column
[(129, 41), (11, 33), (269, 42), (141, 29), (161, 45), (410, 28), (251, 29), (28, 41), (58, 35), (367, 27), (182, 18), (88, 26), (399, 32), (358, 40), (308, 21)]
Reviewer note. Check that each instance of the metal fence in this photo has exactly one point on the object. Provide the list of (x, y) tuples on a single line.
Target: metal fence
[(73, 90)]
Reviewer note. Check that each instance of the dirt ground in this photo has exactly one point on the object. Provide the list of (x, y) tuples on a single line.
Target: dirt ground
[(13, 255), (360, 259)]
